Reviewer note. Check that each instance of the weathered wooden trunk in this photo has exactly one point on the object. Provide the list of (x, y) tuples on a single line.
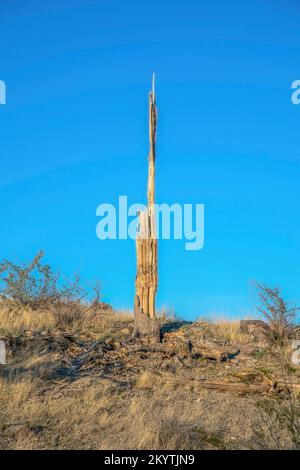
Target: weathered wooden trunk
[(146, 325)]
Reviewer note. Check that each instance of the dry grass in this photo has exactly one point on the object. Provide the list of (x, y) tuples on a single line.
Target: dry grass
[(14, 321), (146, 380), (230, 329), (99, 416), (153, 408), (222, 326)]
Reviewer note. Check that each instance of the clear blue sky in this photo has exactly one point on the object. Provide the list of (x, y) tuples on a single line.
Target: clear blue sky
[(74, 134)]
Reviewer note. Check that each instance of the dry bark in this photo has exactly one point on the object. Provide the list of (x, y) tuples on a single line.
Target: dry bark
[(146, 247)]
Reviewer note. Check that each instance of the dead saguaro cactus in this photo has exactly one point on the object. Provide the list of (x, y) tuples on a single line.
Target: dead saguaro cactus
[(146, 325)]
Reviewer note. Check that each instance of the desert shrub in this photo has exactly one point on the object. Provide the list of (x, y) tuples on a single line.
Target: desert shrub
[(280, 416), (27, 286), (279, 425), (279, 315), (71, 306), (37, 287)]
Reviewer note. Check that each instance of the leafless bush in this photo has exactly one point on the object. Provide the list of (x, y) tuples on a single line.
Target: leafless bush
[(27, 286), (36, 287), (279, 426), (279, 416), (73, 307), (279, 315)]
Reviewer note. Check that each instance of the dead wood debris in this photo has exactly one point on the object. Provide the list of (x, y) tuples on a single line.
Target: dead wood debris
[(190, 353)]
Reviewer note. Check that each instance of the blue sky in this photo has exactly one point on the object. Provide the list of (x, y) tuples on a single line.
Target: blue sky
[(73, 134)]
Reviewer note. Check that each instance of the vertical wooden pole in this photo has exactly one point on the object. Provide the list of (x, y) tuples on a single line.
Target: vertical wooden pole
[(146, 245)]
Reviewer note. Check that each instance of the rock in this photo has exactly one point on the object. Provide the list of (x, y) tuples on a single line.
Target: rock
[(257, 328), (105, 308), (292, 348)]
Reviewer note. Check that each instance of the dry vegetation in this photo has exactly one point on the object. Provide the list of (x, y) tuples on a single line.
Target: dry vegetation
[(84, 382), (93, 387)]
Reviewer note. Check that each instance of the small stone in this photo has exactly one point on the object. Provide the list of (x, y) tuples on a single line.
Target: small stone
[(13, 429)]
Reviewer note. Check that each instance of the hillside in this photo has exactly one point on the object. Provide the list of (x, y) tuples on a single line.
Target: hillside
[(91, 385)]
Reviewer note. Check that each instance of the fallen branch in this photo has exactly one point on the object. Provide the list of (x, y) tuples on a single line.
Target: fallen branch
[(241, 387), (232, 386)]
